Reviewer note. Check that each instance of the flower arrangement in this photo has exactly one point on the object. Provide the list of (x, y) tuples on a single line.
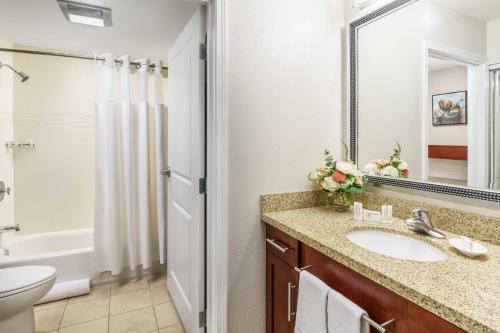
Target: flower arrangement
[(340, 179), (394, 166)]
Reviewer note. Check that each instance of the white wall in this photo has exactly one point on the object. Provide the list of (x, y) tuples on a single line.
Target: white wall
[(493, 28), (285, 108), (390, 71), (55, 108), (443, 81), (6, 134)]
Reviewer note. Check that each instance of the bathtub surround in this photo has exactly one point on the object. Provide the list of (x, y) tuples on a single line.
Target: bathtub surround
[(124, 234), (6, 134)]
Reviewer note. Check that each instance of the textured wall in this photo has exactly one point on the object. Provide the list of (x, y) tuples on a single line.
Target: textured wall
[(285, 97)]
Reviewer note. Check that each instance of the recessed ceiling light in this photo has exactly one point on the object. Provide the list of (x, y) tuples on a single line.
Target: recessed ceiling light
[(86, 14)]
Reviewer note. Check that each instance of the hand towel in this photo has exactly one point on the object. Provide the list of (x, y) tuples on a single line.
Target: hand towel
[(344, 316), (311, 304)]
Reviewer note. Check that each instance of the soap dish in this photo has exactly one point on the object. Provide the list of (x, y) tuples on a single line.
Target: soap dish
[(467, 246)]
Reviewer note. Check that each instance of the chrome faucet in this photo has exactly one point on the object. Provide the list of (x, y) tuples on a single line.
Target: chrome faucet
[(7, 228), (3, 229), (422, 223)]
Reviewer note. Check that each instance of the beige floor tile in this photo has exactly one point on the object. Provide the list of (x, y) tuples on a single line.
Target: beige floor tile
[(137, 321), (95, 326), (166, 315), (85, 311), (160, 295), (130, 301), (54, 304), (96, 293), (155, 281), (48, 319), (119, 288), (173, 329), (159, 291)]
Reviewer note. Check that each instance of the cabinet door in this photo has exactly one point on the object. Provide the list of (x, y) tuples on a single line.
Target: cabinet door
[(281, 295), (380, 303)]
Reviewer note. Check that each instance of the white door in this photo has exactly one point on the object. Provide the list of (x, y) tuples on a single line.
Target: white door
[(186, 160)]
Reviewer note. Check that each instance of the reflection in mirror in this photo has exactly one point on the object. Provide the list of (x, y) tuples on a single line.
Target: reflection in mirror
[(428, 91)]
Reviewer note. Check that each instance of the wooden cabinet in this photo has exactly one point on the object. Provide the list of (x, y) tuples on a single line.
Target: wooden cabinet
[(281, 297), (380, 303), (281, 281)]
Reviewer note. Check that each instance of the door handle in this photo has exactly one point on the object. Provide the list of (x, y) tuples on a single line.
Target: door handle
[(166, 172), (290, 313), (273, 243)]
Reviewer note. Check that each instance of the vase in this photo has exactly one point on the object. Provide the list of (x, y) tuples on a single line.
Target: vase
[(340, 201)]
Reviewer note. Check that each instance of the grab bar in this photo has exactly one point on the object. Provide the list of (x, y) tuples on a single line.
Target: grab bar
[(27, 144), (374, 324)]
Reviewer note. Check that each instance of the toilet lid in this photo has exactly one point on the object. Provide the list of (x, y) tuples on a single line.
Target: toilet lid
[(13, 278)]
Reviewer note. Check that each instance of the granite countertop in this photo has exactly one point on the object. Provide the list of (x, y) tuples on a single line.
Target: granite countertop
[(463, 291)]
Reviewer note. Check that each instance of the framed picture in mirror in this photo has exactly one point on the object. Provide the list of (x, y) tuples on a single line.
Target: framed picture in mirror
[(449, 108)]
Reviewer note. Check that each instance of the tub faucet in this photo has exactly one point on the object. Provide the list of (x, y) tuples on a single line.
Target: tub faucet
[(3, 229), (7, 228), (422, 223)]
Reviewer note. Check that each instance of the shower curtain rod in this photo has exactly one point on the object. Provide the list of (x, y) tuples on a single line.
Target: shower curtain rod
[(67, 55)]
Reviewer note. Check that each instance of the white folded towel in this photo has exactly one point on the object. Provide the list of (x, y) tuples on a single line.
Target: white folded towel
[(344, 316), (311, 304)]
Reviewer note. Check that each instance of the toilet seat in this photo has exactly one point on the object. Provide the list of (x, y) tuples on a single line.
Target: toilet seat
[(16, 280)]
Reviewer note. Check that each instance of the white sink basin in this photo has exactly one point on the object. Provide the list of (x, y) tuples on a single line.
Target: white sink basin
[(396, 246)]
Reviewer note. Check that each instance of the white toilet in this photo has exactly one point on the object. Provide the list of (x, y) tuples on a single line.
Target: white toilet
[(20, 288)]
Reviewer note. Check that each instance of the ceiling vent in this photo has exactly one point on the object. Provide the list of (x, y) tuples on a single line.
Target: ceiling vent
[(86, 14)]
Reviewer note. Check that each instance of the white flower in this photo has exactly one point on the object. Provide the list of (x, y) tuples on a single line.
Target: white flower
[(402, 165), (370, 168), (314, 176), (329, 184), (345, 167), (390, 171)]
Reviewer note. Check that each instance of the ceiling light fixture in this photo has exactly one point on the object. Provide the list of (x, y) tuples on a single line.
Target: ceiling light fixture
[(86, 14)]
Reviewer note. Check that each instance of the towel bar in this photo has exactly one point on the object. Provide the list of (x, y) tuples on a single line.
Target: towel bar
[(377, 326), (374, 324), (298, 270)]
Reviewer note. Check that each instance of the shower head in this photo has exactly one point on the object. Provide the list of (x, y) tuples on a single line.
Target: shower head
[(23, 76)]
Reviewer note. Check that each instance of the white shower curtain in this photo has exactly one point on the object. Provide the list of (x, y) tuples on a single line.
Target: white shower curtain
[(125, 235)]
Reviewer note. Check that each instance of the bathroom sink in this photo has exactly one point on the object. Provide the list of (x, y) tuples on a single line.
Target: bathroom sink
[(396, 246)]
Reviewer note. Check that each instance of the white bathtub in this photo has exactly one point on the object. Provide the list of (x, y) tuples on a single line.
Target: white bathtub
[(69, 252)]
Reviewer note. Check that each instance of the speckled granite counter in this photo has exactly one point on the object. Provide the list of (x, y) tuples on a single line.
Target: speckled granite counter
[(464, 291)]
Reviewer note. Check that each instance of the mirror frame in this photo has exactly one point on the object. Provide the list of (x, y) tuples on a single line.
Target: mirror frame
[(456, 190)]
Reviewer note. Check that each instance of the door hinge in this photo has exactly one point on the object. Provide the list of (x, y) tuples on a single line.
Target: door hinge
[(203, 51), (203, 319), (203, 186)]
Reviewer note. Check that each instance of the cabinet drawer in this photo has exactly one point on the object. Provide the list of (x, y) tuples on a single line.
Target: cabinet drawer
[(282, 246)]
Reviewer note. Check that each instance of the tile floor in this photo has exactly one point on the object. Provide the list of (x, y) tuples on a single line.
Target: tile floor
[(141, 306)]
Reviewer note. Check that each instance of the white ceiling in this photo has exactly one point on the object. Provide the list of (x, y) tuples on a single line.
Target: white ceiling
[(141, 28), (484, 10)]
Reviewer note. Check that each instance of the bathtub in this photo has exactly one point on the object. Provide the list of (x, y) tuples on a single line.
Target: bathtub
[(69, 252)]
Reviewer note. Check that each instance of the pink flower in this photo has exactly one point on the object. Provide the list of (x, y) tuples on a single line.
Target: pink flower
[(339, 177), (406, 173)]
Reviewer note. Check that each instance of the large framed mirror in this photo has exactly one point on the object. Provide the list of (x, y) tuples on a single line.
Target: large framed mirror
[(425, 96)]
